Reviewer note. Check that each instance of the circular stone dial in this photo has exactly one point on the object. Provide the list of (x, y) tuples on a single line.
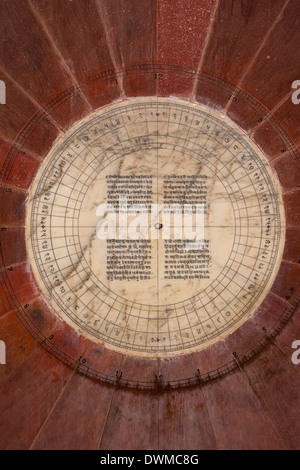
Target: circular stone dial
[(141, 289)]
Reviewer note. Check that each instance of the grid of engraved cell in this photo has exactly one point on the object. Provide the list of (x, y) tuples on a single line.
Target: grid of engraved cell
[(155, 227)]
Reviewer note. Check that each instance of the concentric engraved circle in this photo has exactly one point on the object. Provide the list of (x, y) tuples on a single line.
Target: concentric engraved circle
[(139, 291)]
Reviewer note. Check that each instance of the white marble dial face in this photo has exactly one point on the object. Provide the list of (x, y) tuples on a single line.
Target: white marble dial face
[(155, 227)]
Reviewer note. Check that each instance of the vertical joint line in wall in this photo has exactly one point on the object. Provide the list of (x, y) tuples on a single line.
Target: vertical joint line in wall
[(206, 42), (250, 64), (104, 21), (235, 356), (57, 51), (108, 408)]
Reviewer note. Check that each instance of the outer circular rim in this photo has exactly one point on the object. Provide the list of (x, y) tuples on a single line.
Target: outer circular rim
[(52, 337)]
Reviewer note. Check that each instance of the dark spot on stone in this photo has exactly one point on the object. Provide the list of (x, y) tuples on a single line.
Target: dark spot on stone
[(38, 317)]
